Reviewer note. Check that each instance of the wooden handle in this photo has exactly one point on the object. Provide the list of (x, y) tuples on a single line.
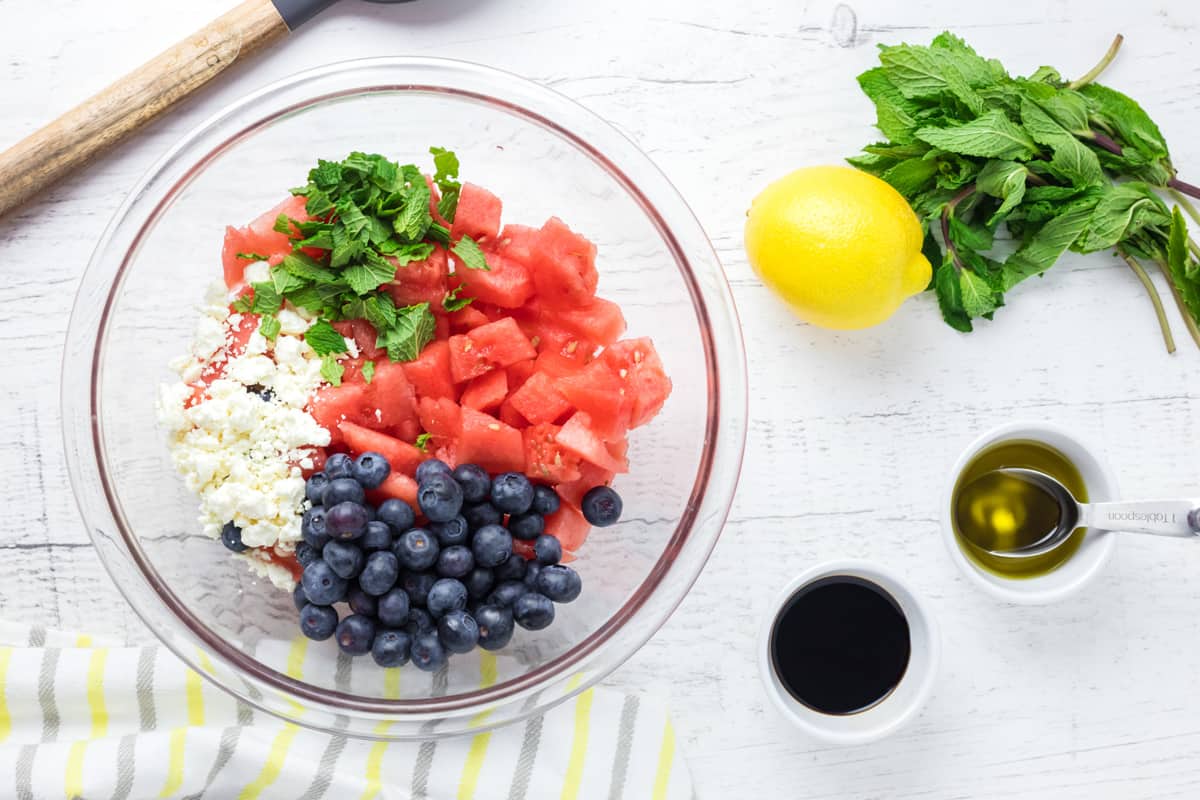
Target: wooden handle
[(94, 125)]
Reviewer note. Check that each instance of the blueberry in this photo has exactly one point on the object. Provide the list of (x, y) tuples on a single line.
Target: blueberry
[(527, 526), (312, 527), (533, 611), (455, 562), (428, 654), (306, 554), (495, 626), (479, 582), (322, 585), (440, 497), (346, 520), (417, 585), (419, 621), (430, 467), (370, 469), (547, 549), (532, 570), (342, 490), (512, 493), (314, 487), (344, 558), (482, 514), (560, 583), (264, 394), (377, 536), (417, 549), (451, 532), (231, 537), (398, 515), (506, 594), (391, 648), (392, 609), (492, 546), (355, 634), (446, 595), (338, 465), (380, 572), (361, 602), (545, 500), (299, 598), (601, 506), (458, 632), (475, 482), (318, 622), (513, 569)]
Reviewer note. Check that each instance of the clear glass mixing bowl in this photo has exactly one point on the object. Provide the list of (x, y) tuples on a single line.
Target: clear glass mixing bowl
[(543, 155)]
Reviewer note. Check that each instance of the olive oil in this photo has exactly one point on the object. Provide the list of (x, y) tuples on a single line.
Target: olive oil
[(992, 511)]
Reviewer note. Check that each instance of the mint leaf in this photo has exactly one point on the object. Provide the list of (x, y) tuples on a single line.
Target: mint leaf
[(266, 299), (978, 298), (251, 256), (283, 224), (895, 115), (285, 281), (991, 135), (452, 302), (324, 340), (1121, 114), (331, 370), (380, 311), (368, 371), (405, 254), (1004, 180), (926, 73), (1045, 247), (1072, 162), (911, 175), (468, 253), (949, 294), (445, 162), (422, 442), (308, 268), (1183, 270), (414, 221), (269, 327), (370, 275), (243, 304), (413, 329), (1124, 210)]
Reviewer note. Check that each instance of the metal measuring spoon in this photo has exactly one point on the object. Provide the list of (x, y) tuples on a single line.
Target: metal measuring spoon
[(94, 125), (1157, 517)]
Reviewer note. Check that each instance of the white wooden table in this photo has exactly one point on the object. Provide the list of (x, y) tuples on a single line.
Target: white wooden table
[(851, 434)]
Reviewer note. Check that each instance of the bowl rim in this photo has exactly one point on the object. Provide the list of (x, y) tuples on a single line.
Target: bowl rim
[(725, 431)]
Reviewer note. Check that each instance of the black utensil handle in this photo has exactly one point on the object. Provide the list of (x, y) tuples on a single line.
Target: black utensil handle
[(297, 12)]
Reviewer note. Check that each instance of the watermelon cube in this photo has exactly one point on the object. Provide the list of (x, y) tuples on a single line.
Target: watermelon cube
[(490, 443), (440, 417), (487, 391), (598, 391), (539, 400), (392, 395), (547, 460), (590, 476), (403, 456), (421, 281), (563, 354), (647, 387), (396, 485), (259, 237), (467, 318), (518, 242), (429, 374), (578, 435), (478, 214), (502, 342), (564, 266), (506, 282), (569, 526), (597, 320), (466, 360)]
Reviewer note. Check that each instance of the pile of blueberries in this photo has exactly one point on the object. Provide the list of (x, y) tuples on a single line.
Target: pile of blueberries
[(424, 593)]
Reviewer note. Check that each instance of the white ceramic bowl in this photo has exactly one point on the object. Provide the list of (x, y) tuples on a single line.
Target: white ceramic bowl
[(893, 711), (1093, 553)]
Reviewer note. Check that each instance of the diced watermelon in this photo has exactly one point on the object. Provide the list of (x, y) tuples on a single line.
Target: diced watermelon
[(505, 283), (578, 436), (490, 443), (332, 405), (259, 237), (403, 456), (392, 395), (487, 391), (447, 453), (545, 458), (564, 265), (539, 401), (317, 455), (518, 242), (502, 342), (421, 281), (636, 363), (563, 354), (597, 320), (364, 335), (396, 485), (569, 526), (478, 214), (440, 417), (510, 416), (466, 360), (429, 374), (598, 391), (467, 318), (518, 373)]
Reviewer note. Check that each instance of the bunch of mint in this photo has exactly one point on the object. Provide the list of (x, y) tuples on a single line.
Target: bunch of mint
[(370, 217), (1061, 165)]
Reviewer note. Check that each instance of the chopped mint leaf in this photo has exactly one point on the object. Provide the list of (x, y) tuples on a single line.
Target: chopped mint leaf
[(285, 281), (283, 224), (323, 339), (467, 251), (452, 302), (266, 299), (439, 234), (368, 371), (380, 311), (413, 329), (269, 327), (252, 256), (422, 442), (368, 276), (446, 178), (242, 304), (331, 370)]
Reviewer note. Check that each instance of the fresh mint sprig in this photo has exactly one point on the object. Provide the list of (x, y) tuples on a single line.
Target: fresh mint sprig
[(1060, 165)]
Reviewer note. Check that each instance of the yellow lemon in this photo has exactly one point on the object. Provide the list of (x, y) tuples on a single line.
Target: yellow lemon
[(842, 247)]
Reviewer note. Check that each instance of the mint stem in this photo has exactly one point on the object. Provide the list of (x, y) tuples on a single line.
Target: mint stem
[(1102, 140), (1186, 313), (1186, 204), (1095, 71), (946, 212), (1163, 324), (1184, 187)]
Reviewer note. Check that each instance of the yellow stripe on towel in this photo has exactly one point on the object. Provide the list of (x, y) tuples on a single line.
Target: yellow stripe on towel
[(391, 690), (479, 745), (583, 723), (95, 699), (5, 716), (283, 740), (666, 759)]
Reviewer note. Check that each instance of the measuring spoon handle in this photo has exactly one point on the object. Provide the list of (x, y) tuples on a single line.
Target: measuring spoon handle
[(1157, 517)]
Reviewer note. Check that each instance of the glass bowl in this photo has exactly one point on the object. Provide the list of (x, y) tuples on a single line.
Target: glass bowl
[(543, 155)]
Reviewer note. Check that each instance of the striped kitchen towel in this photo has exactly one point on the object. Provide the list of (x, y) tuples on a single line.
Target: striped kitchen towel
[(84, 718)]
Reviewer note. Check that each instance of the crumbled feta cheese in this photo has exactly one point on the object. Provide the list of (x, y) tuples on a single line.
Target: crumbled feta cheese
[(291, 323), (261, 564), (209, 338), (258, 272)]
